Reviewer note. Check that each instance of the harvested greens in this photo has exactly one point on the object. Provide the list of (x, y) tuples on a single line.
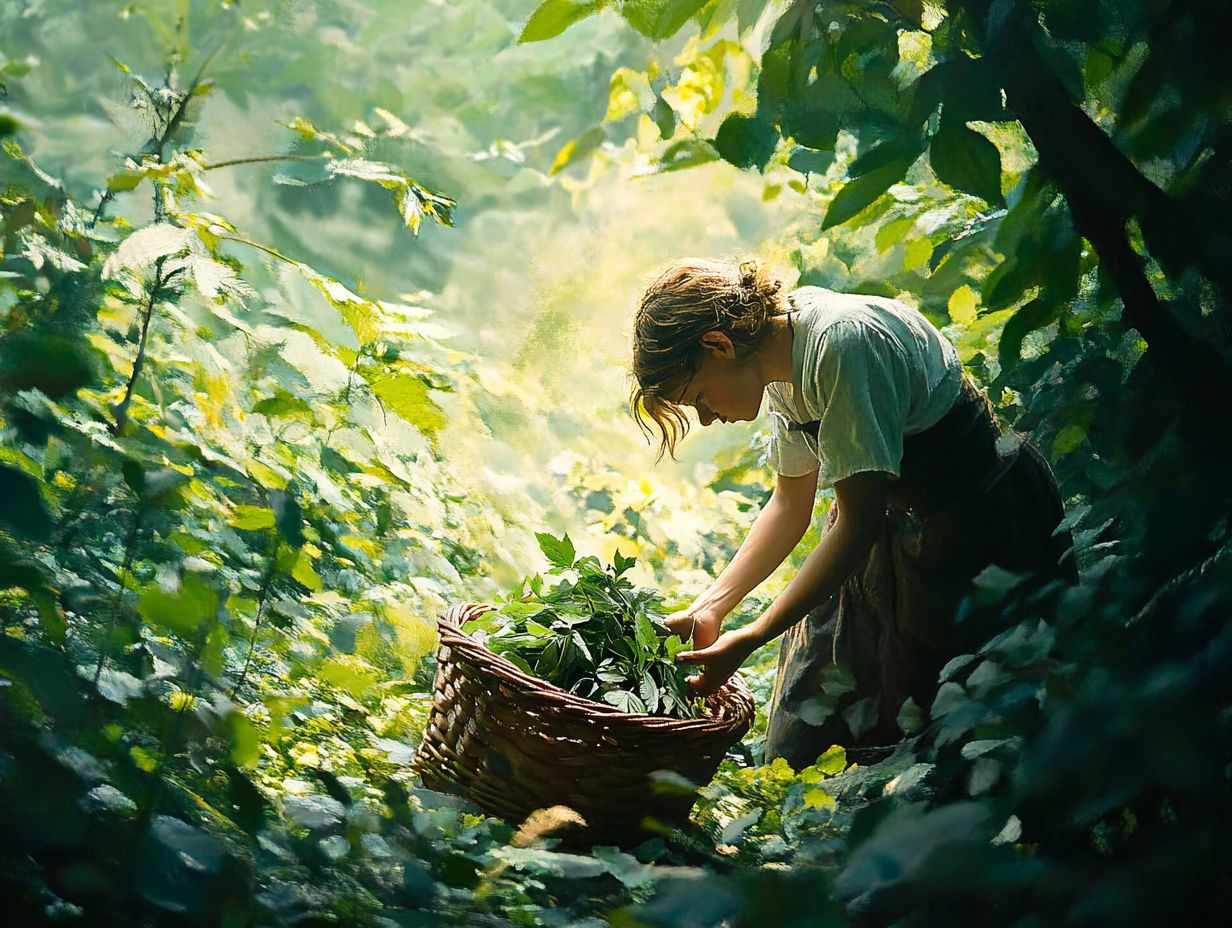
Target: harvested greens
[(593, 633)]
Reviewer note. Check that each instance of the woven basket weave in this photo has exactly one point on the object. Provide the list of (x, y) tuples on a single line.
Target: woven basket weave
[(513, 743)]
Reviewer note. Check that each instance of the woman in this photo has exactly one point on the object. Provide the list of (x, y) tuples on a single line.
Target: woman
[(866, 396)]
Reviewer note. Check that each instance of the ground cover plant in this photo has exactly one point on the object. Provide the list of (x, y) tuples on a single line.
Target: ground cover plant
[(310, 320), (596, 634)]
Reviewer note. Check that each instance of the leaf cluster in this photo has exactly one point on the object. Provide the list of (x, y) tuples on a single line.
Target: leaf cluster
[(594, 633)]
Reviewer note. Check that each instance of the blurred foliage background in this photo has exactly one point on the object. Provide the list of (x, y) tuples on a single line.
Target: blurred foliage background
[(313, 313)]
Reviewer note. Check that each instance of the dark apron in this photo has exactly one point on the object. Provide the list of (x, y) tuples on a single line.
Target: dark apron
[(968, 495)]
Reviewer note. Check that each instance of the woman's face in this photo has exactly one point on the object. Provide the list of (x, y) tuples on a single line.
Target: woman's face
[(723, 388)]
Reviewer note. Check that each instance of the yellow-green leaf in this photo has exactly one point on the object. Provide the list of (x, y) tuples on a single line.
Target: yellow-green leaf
[(407, 396), (252, 517), (552, 17), (962, 305)]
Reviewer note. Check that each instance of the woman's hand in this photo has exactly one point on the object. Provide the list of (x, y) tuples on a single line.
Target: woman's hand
[(721, 659), (700, 626)]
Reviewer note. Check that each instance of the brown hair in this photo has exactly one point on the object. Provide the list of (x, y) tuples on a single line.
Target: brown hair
[(689, 298)]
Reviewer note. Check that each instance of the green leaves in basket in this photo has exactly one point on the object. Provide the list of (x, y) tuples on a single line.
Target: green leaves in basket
[(594, 633)]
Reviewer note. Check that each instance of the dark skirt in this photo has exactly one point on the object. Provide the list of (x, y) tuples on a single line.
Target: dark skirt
[(970, 495)]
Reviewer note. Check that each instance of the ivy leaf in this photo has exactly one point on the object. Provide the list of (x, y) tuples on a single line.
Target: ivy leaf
[(559, 551), (964, 159), (553, 17)]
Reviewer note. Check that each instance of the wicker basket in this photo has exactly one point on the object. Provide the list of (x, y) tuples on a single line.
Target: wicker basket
[(513, 743)]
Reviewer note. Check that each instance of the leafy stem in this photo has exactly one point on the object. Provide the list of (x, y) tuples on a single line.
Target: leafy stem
[(158, 144), (130, 544), (257, 245), (155, 293), (267, 586)]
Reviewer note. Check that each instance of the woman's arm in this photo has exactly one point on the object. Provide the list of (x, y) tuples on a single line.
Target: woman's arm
[(777, 529), (861, 512)]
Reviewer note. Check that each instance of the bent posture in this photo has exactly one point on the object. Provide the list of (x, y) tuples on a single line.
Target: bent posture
[(866, 396)]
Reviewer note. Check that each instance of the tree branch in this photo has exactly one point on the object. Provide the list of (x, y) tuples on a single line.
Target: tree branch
[(256, 159), (1104, 191), (121, 410)]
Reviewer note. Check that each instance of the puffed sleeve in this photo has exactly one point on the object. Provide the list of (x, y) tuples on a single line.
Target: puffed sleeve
[(863, 383)]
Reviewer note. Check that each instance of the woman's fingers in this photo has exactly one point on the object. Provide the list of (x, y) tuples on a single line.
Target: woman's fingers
[(694, 657), (701, 629), (706, 682), (681, 624)]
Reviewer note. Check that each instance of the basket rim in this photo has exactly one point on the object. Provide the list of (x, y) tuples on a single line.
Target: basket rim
[(740, 696)]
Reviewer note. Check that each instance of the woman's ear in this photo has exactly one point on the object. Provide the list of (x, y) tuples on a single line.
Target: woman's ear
[(718, 344)]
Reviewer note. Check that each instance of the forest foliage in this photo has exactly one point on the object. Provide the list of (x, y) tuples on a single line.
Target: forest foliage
[(262, 417)]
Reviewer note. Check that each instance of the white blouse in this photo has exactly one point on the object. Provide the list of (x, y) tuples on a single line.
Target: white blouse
[(872, 370)]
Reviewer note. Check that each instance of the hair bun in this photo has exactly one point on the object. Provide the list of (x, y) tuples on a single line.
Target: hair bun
[(752, 277), (749, 272)]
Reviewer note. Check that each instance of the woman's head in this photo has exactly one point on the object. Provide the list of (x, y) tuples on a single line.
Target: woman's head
[(698, 325)]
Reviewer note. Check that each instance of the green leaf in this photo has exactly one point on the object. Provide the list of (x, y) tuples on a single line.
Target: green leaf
[(645, 633), (901, 152), (816, 709), (23, 509), (1034, 315), (964, 159), (746, 141), (577, 149), (288, 517), (861, 716), (664, 117), (833, 761), (559, 551), (553, 17), (284, 405), (963, 306), (183, 610), (414, 201), (861, 192), (659, 19), (622, 563), (911, 718), (624, 701), (145, 246), (252, 518), (124, 181), (808, 161), (407, 396)]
